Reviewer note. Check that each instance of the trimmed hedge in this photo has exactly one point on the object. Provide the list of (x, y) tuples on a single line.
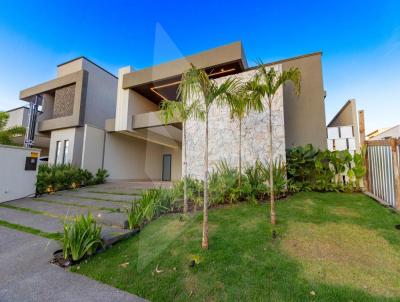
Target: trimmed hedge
[(63, 177)]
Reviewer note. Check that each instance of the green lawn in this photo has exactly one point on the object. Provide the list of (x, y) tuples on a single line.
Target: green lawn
[(330, 247)]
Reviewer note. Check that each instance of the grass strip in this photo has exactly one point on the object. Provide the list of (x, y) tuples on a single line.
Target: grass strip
[(22, 228)]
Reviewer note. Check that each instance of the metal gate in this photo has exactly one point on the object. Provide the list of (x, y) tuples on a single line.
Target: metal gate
[(383, 181)]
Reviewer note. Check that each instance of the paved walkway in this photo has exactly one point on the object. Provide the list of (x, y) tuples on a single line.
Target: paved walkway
[(26, 274), (25, 271)]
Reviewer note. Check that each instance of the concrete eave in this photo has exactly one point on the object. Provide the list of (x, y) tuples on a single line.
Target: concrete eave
[(231, 53)]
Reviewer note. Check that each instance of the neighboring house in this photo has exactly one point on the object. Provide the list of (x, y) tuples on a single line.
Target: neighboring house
[(343, 131), (385, 133), (97, 120), (20, 117)]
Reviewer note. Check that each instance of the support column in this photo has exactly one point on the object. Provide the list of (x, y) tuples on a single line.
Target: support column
[(396, 170), (361, 127)]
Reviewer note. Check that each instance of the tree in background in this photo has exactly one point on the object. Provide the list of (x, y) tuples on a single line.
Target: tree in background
[(264, 86), (6, 134)]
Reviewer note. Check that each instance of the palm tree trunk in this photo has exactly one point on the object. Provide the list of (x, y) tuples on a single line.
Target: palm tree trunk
[(271, 167), (204, 243), (185, 201), (240, 153)]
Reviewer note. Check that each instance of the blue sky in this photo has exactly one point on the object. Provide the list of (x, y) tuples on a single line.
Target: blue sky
[(360, 41)]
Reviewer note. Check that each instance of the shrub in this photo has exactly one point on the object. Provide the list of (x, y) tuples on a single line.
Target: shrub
[(224, 184), (279, 175), (254, 182), (312, 169), (194, 190), (63, 177), (81, 237), (101, 176)]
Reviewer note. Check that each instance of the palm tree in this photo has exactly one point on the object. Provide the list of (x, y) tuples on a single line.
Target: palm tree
[(184, 111), (6, 135), (264, 85), (240, 105), (197, 86)]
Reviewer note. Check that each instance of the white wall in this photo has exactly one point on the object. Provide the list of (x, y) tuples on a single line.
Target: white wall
[(93, 148), (15, 182), (75, 137), (393, 132), (126, 157)]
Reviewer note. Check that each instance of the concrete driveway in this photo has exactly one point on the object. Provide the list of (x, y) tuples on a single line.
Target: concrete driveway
[(27, 275), (25, 271)]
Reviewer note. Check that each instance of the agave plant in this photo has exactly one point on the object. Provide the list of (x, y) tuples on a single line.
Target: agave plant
[(81, 237)]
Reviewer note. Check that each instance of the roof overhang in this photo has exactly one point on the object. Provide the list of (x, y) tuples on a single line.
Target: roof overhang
[(78, 78), (160, 81)]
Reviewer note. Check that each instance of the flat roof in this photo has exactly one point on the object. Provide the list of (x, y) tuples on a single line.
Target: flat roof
[(17, 108), (317, 53), (230, 54), (90, 61)]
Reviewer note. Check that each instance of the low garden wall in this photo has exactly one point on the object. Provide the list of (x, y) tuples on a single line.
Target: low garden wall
[(18, 169)]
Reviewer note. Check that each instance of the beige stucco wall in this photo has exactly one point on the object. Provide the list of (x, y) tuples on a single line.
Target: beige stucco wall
[(101, 95), (129, 102), (224, 135), (305, 115), (126, 157), (15, 182), (93, 148), (18, 117), (70, 67)]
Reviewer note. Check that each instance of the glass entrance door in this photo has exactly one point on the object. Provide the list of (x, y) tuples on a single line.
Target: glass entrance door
[(166, 172)]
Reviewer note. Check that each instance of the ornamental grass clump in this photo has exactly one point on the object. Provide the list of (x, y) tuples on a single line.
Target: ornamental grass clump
[(151, 204), (81, 238)]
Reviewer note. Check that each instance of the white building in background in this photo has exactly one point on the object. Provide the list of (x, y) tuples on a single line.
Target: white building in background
[(342, 131), (393, 132), (20, 117)]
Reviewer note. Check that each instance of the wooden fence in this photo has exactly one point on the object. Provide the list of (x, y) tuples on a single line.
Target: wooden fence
[(382, 179)]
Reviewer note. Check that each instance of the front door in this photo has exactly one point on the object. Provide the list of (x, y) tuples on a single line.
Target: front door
[(166, 172)]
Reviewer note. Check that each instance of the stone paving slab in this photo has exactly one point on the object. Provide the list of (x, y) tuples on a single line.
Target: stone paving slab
[(104, 217), (39, 222), (27, 276), (84, 202), (48, 224), (52, 208), (86, 195)]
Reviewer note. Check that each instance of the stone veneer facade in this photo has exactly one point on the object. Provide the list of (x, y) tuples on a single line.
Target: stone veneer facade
[(224, 135), (64, 101)]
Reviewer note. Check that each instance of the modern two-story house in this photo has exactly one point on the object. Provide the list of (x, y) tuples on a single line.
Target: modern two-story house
[(95, 119)]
